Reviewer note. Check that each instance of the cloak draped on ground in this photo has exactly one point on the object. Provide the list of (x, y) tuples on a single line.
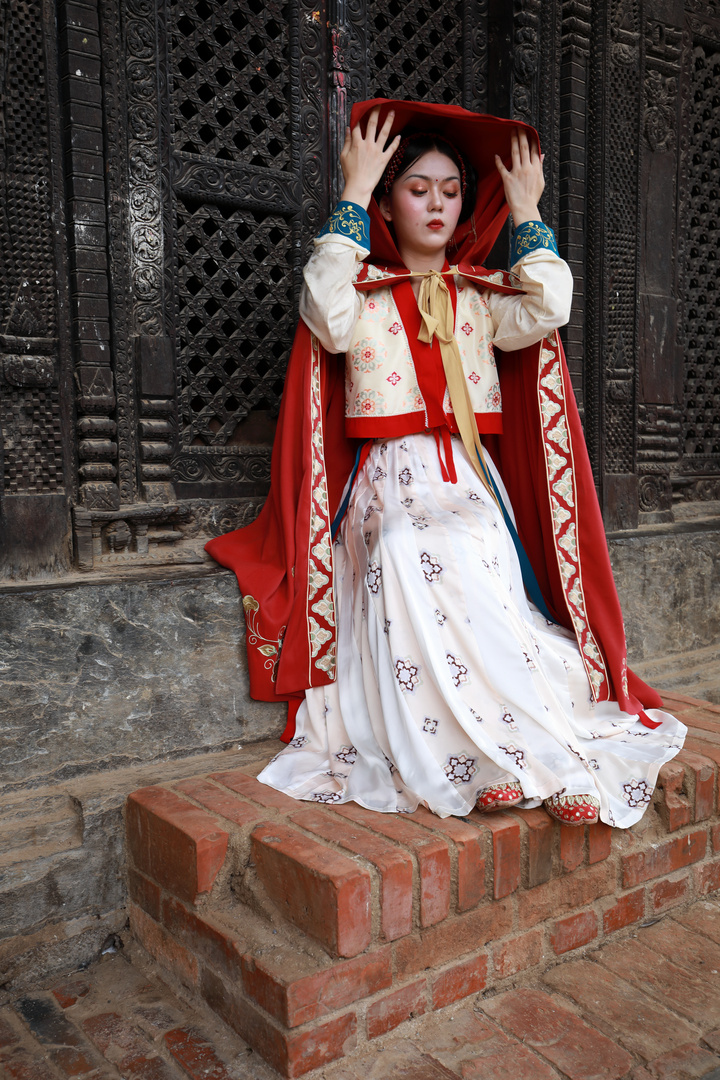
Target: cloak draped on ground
[(284, 560)]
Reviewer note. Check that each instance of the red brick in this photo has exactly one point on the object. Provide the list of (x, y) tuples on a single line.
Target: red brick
[(572, 842), (473, 1047), (459, 981), (692, 993), (246, 785), (296, 1001), (684, 947), (663, 859), (705, 749), (641, 1025), (202, 938), (8, 1035), (403, 1004), (539, 839), (707, 877), (543, 1024), (452, 938), (214, 798), (576, 930), (63, 1043), (701, 918), (665, 894), (712, 1038), (715, 834), (195, 1056), (599, 842), (157, 1019), (468, 842), (162, 946), (394, 865), (675, 810), (431, 852), (702, 770), (145, 893), (505, 832), (67, 993), (291, 1053), (18, 1065), (147, 1068), (681, 703), (566, 894), (172, 841), (111, 1029), (628, 909), (323, 892), (689, 1062), (518, 954)]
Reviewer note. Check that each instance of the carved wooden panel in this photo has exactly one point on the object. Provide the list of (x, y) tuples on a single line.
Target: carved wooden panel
[(699, 474), (199, 156), (35, 480), (246, 92), (30, 418), (415, 50)]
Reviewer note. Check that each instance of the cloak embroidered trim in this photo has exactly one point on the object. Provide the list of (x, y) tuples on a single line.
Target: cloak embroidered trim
[(530, 236), (351, 220)]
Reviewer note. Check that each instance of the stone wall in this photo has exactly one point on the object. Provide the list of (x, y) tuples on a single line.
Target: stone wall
[(669, 587), (106, 674), (102, 675)]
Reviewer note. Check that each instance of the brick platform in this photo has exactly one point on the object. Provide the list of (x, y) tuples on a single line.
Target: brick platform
[(310, 929), (646, 1007)]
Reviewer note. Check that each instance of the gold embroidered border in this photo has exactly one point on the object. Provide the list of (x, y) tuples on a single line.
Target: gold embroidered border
[(562, 492), (319, 606)]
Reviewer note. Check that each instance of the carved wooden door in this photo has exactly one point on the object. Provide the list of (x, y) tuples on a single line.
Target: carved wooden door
[(164, 165), (36, 481), (257, 94)]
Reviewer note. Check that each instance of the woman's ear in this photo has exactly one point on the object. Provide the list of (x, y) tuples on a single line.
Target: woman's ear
[(384, 205)]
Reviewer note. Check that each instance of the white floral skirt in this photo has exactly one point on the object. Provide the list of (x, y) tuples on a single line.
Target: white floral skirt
[(448, 678)]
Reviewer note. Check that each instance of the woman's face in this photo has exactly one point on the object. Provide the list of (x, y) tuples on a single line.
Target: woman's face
[(424, 205)]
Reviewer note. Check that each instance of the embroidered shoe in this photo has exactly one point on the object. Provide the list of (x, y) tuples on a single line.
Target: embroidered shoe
[(500, 795), (573, 809)]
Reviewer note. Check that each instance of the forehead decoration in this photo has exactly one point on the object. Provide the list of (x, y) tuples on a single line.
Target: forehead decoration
[(395, 165)]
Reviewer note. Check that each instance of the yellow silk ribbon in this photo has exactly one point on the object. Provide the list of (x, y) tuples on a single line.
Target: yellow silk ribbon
[(436, 310)]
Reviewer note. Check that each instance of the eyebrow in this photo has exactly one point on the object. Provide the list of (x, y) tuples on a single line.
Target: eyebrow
[(419, 176)]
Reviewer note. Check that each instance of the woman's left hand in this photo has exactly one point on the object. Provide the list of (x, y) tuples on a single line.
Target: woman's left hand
[(524, 182)]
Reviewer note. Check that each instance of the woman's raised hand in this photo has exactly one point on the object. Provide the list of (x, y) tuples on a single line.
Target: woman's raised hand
[(364, 159), (524, 183)]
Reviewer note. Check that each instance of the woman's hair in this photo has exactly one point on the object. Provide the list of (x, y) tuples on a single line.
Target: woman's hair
[(412, 146)]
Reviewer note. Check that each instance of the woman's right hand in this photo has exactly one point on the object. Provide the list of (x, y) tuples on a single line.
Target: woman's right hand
[(364, 159)]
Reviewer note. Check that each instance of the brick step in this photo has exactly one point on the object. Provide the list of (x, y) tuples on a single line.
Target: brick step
[(641, 1008), (309, 926)]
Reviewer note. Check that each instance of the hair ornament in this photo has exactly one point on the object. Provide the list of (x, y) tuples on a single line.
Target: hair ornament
[(394, 166)]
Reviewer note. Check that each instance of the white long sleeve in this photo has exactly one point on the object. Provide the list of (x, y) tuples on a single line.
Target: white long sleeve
[(329, 302), (544, 306)]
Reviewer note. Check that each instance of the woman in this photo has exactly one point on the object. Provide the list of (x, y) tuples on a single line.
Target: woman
[(450, 686)]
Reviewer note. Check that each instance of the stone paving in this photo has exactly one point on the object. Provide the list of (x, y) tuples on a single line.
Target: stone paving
[(645, 1006)]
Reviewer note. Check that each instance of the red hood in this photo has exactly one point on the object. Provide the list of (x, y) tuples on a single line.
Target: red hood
[(480, 137)]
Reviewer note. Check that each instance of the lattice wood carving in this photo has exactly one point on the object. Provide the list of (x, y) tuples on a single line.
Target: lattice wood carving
[(701, 407), (248, 175), (30, 413), (415, 50)]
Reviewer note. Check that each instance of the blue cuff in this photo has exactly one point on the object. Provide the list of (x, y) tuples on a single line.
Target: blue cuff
[(532, 235), (349, 219)]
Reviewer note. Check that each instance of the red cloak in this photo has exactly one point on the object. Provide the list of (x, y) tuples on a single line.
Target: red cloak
[(283, 561)]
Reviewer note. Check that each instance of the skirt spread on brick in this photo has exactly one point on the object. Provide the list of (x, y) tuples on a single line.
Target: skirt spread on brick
[(449, 679)]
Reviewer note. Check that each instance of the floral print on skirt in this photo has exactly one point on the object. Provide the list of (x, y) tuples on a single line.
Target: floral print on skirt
[(448, 678)]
